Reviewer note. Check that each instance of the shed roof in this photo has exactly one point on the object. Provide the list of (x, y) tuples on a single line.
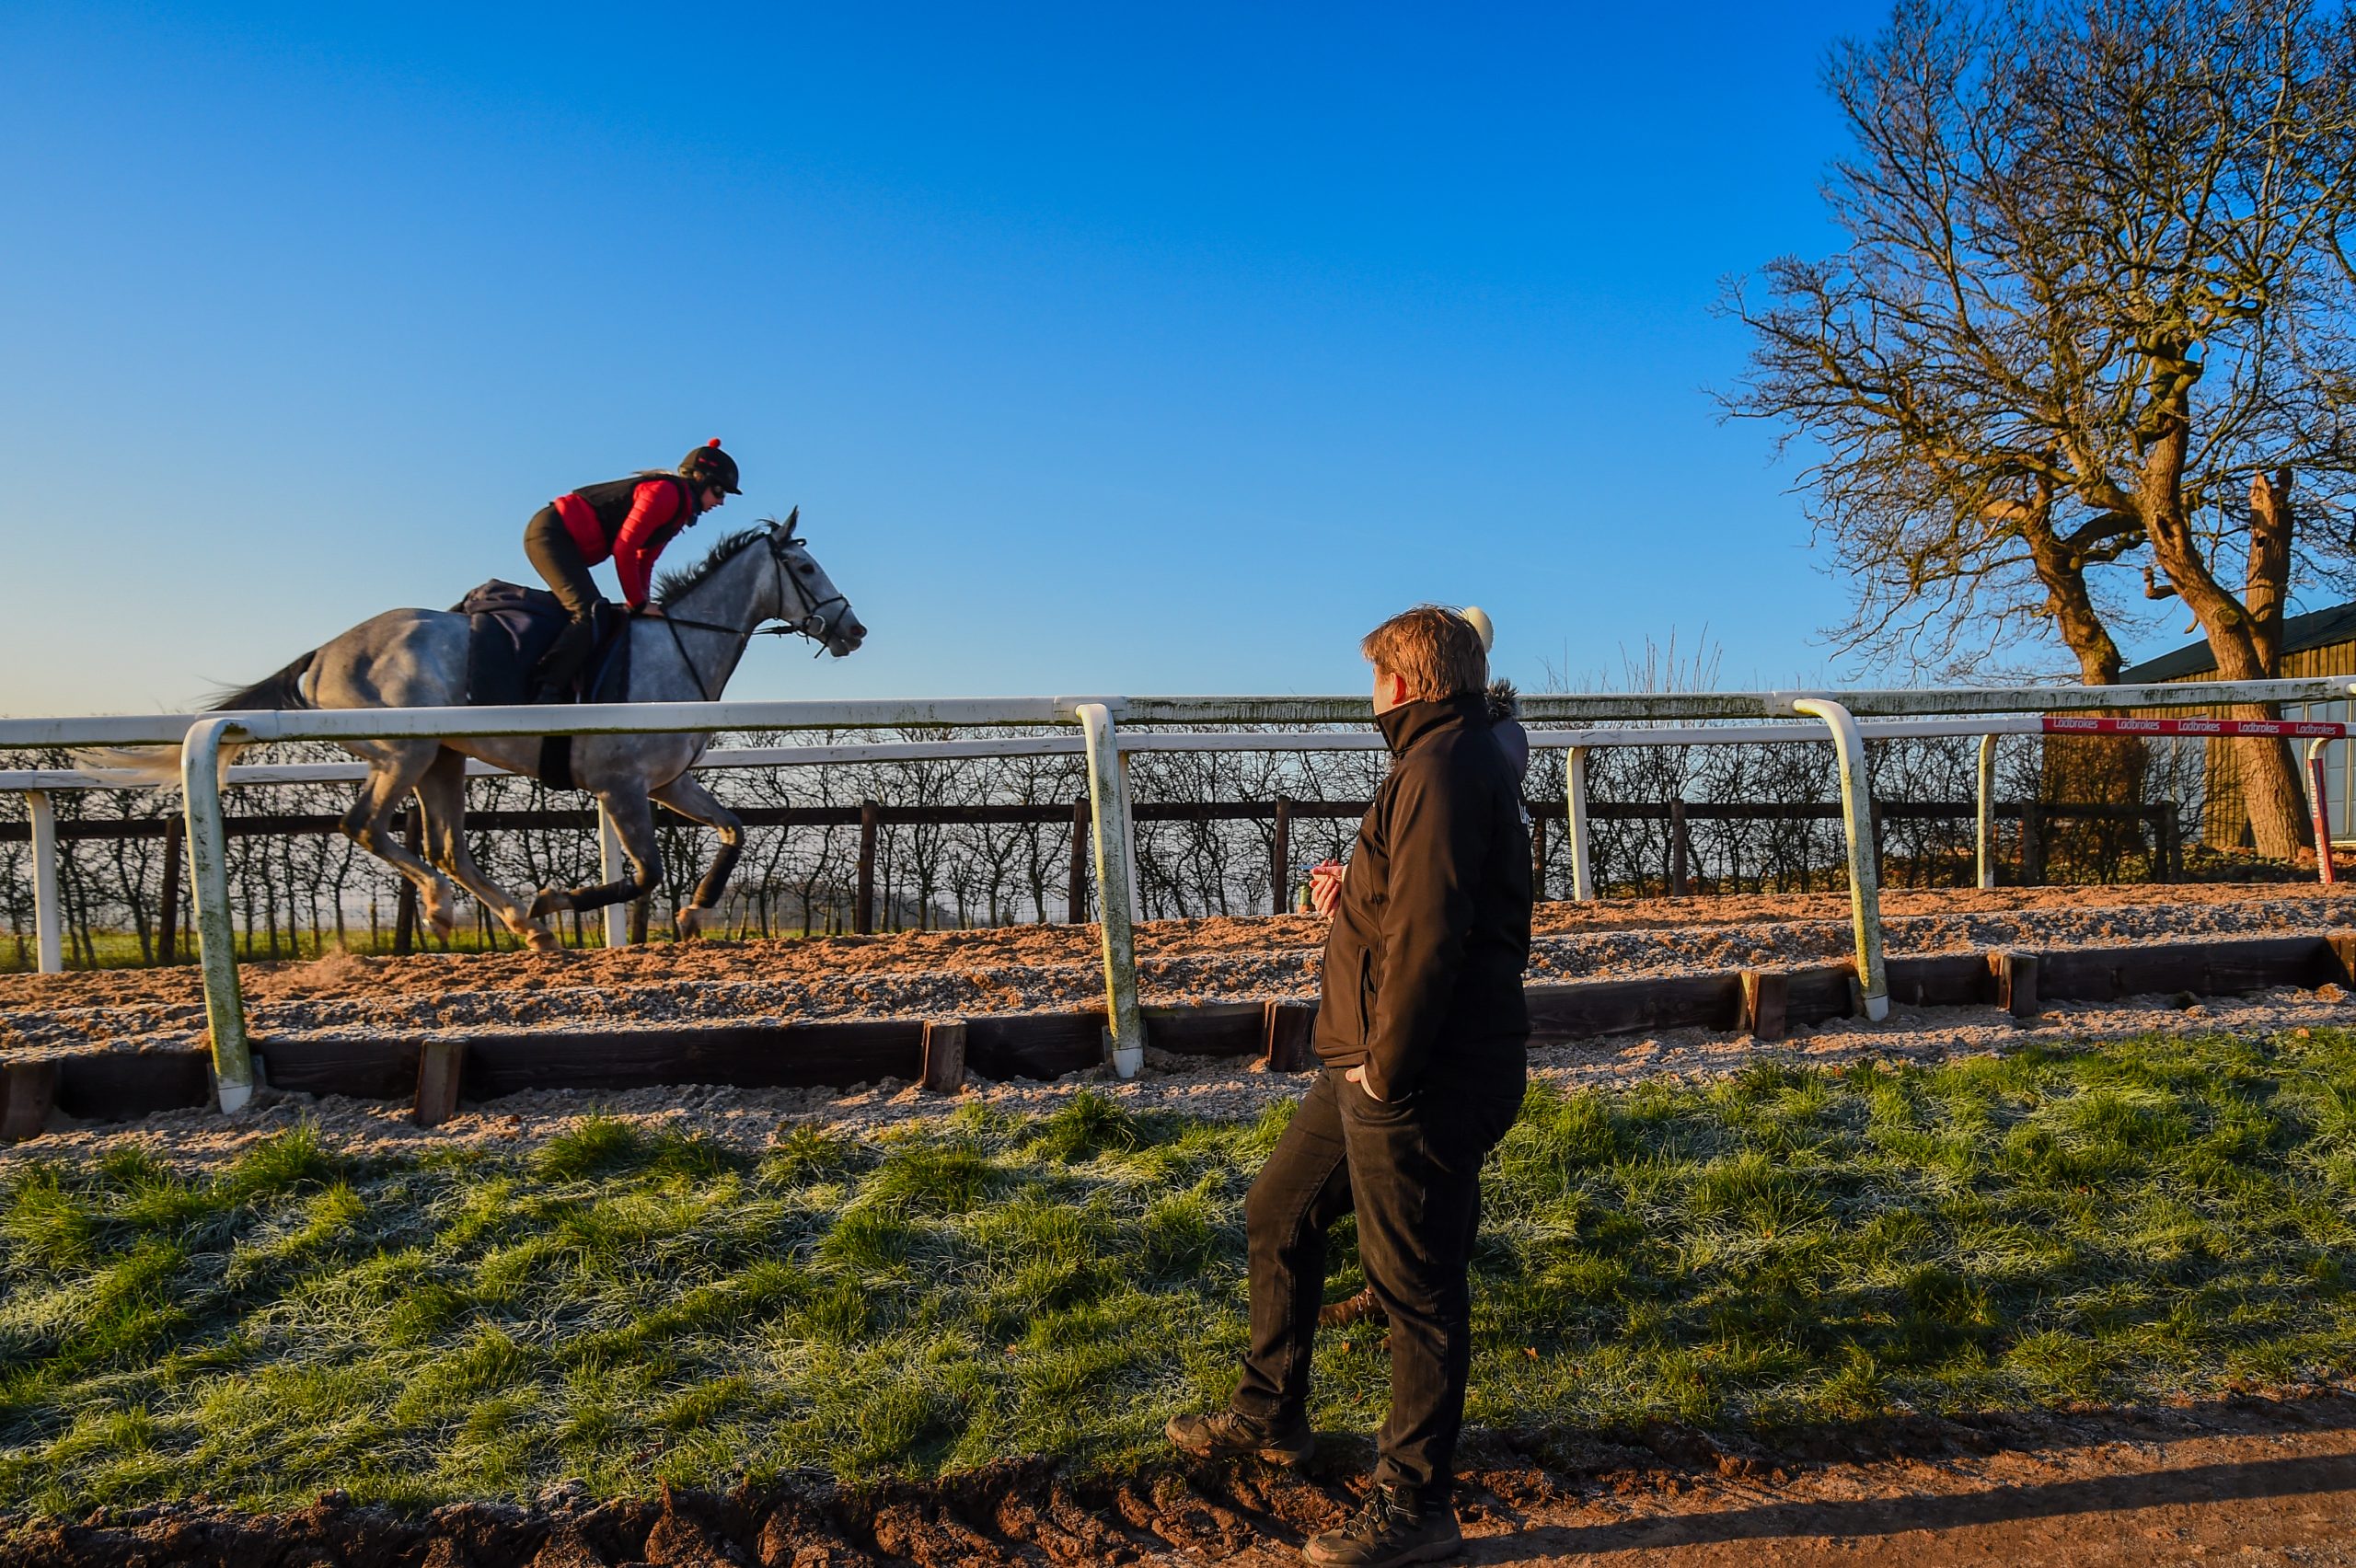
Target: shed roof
[(2316, 628)]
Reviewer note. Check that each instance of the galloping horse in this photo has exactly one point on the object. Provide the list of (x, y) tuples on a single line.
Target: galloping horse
[(418, 659)]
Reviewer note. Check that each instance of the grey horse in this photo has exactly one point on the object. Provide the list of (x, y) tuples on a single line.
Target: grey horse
[(418, 659)]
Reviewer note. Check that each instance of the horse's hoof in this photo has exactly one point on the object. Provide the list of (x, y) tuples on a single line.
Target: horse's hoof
[(549, 901), (543, 939), (444, 927), (690, 922)]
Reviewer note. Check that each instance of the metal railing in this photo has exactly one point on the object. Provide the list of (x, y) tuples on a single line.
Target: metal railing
[(38, 783), (1836, 714)]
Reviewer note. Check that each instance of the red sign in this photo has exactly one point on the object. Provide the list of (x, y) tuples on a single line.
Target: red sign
[(2309, 729)]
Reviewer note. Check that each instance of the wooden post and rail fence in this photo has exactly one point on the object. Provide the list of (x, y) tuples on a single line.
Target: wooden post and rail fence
[(872, 819)]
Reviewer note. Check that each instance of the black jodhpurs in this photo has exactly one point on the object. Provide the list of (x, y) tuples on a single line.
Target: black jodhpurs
[(556, 558), (1412, 1172)]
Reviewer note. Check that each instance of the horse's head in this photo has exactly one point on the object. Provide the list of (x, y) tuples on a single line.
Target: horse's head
[(808, 601)]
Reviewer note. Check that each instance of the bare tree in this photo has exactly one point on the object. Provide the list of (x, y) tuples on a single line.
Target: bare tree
[(2093, 314)]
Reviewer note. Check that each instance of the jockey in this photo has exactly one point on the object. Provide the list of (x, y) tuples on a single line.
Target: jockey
[(629, 519)]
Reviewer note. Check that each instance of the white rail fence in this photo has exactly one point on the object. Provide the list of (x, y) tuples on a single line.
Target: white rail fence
[(38, 784), (1846, 718)]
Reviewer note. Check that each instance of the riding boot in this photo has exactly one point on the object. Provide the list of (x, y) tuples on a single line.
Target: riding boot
[(562, 664)]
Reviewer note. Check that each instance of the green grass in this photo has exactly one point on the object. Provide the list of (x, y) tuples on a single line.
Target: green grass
[(2157, 1217)]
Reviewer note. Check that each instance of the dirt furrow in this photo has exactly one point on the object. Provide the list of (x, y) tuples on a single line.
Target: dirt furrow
[(2258, 1479)]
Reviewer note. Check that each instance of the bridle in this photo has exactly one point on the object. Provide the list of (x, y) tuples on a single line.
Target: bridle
[(811, 623)]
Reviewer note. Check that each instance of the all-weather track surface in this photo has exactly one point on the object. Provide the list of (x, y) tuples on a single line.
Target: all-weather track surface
[(2248, 1480), (1015, 969)]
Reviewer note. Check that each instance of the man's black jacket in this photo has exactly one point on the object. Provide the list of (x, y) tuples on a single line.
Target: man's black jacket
[(1423, 964)]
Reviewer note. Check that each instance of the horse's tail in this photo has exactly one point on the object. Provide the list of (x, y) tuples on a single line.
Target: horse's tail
[(271, 694), (160, 765)]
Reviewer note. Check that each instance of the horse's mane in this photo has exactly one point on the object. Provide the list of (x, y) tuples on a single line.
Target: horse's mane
[(674, 584)]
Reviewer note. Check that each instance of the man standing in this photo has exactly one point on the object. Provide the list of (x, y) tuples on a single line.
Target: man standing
[(1421, 1032)]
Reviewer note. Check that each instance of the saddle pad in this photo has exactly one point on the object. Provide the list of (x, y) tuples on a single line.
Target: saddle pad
[(510, 627)]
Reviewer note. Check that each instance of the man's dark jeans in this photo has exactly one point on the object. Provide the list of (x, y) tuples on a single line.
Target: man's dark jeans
[(1412, 1171)]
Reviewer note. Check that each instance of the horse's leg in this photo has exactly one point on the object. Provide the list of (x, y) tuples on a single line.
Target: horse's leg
[(394, 769), (695, 803), (633, 820), (442, 794)]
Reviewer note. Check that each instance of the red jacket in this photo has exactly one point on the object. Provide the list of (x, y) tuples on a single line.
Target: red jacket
[(659, 505)]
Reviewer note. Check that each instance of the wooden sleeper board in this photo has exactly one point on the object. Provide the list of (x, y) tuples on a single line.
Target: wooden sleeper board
[(119, 1085)]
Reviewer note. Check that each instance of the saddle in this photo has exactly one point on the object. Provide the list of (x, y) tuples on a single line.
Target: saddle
[(508, 630)]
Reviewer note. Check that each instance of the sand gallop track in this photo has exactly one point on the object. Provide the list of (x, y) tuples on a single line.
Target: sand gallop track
[(1051, 967)]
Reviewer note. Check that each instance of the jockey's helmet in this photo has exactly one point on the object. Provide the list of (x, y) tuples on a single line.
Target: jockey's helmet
[(708, 464)]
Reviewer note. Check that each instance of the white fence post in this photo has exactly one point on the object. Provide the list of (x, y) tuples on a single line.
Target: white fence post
[(1856, 819), (1582, 853), (48, 917), (1987, 811), (1109, 805), (610, 866), (208, 864)]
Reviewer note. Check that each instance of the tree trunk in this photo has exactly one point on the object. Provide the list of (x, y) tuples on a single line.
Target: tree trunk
[(2270, 564), (2067, 600), (2270, 778), (2278, 806), (2083, 769)]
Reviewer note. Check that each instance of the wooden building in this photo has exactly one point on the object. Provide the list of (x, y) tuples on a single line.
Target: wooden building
[(2321, 642)]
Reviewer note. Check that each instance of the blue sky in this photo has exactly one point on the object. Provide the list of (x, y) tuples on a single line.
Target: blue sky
[(1103, 347)]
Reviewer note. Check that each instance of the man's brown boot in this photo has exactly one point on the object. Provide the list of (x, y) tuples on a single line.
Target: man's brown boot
[(1353, 1308), (1392, 1528), (1227, 1435)]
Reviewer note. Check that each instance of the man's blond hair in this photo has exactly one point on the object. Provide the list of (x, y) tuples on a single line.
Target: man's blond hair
[(1433, 649)]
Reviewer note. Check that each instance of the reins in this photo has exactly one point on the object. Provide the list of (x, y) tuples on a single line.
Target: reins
[(695, 674), (811, 612)]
